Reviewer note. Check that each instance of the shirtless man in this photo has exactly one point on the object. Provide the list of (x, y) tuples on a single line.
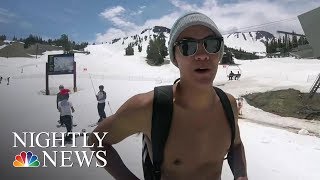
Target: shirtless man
[(199, 136)]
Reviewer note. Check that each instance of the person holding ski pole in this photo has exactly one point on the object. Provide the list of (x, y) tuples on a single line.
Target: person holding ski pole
[(101, 98)]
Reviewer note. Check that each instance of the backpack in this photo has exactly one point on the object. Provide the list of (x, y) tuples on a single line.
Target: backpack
[(161, 121)]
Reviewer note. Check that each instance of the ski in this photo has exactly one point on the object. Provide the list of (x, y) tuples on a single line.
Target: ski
[(63, 125), (93, 125)]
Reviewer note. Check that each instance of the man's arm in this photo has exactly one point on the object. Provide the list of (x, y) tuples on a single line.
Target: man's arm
[(132, 117), (237, 159)]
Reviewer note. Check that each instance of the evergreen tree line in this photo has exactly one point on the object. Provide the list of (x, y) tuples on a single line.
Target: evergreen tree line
[(157, 51), (63, 41), (280, 44), (241, 54), (3, 37)]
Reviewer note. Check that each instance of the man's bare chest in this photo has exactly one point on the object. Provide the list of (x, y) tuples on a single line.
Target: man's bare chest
[(196, 139)]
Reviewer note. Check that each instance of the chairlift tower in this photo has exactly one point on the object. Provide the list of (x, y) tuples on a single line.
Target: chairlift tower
[(315, 87)]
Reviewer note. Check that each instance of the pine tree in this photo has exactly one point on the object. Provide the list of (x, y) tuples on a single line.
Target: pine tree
[(129, 50), (267, 47), (139, 48), (3, 37), (150, 49), (65, 43), (300, 40), (162, 43), (294, 41), (157, 50)]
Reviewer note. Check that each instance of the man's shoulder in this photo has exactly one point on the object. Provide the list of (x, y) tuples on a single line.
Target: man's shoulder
[(233, 103), (142, 100), (231, 98)]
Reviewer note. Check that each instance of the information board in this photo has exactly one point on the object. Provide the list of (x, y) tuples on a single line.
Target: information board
[(60, 64)]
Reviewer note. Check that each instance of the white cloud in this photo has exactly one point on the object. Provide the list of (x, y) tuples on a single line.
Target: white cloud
[(245, 13), (228, 17), (183, 5), (137, 13), (6, 16), (115, 15), (110, 34), (166, 20), (112, 12)]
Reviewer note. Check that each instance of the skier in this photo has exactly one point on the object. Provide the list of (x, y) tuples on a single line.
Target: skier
[(101, 98)]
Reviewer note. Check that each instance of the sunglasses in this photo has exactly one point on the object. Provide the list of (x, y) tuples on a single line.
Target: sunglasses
[(188, 47)]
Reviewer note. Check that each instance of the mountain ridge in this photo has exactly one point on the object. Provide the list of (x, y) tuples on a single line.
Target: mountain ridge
[(253, 41)]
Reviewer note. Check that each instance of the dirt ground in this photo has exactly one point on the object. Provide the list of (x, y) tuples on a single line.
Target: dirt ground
[(287, 103)]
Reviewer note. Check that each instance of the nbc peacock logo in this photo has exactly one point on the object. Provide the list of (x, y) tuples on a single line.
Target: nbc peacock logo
[(26, 160)]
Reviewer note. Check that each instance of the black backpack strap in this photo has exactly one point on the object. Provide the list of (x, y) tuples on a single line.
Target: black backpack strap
[(229, 113), (161, 122), (177, 80), (146, 161)]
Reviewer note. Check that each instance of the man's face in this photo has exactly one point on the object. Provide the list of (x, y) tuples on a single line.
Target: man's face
[(201, 67)]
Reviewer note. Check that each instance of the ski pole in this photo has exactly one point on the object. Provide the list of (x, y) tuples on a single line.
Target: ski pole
[(92, 85), (110, 108)]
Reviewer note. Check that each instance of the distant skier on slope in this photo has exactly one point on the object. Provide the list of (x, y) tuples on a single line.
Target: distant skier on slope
[(8, 79)]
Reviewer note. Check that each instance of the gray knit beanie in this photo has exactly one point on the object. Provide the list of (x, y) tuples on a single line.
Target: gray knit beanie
[(187, 20)]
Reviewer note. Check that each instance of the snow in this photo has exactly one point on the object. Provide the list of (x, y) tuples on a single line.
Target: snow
[(272, 151), (245, 42), (2, 46)]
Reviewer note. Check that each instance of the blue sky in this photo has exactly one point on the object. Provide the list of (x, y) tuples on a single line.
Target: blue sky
[(103, 20)]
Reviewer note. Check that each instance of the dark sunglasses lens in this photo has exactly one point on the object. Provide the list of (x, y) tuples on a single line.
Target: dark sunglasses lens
[(212, 45), (187, 47)]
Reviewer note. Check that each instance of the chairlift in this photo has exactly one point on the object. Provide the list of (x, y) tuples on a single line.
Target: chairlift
[(235, 69)]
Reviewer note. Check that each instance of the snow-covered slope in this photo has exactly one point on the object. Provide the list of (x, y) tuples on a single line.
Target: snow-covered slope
[(249, 41), (271, 153)]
